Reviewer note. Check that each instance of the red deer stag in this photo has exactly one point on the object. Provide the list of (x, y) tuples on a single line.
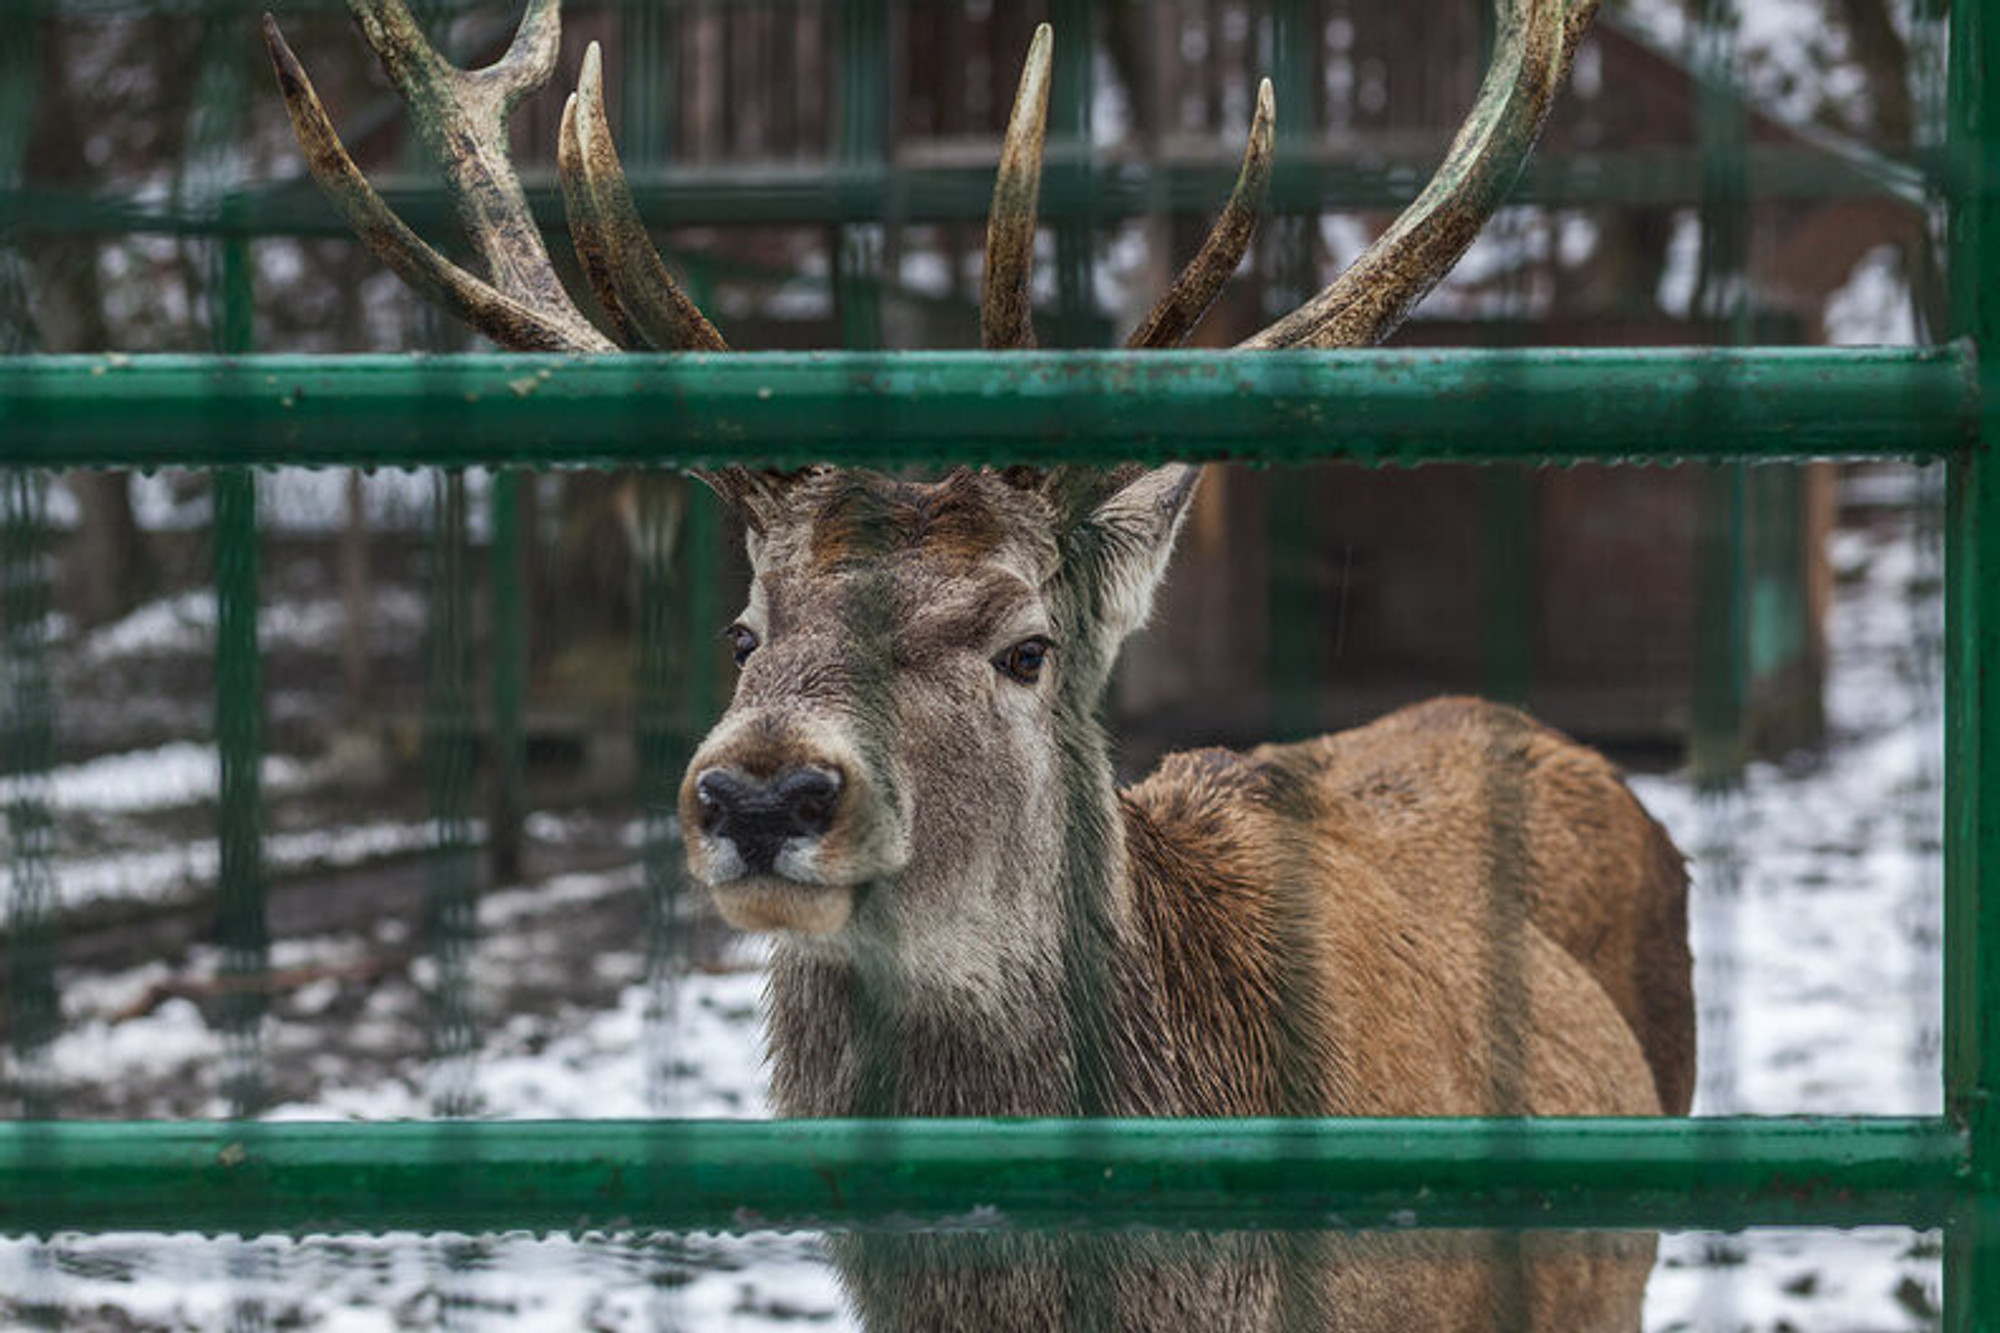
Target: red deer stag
[(1450, 912)]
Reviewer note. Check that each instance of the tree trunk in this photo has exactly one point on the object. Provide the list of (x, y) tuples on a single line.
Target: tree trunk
[(354, 598), (105, 564)]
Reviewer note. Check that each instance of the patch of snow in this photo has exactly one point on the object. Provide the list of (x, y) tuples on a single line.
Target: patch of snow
[(186, 624), (386, 1284), (1875, 1278), (1345, 236), (173, 873), (926, 272), (1682, 270), (1873, 307), (1576, 238), (178, 774)]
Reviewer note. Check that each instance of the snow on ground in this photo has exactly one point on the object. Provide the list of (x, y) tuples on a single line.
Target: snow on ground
[(167, 777), (1816, 919), (186, 624), (187, 869)]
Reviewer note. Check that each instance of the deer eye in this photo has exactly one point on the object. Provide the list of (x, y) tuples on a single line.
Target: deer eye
[(1025, 659), (743, 641)]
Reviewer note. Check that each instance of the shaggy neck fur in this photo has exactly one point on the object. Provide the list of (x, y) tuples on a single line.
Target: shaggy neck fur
[(1173, 986), (950, 993)]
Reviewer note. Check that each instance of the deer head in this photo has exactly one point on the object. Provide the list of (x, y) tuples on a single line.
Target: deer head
[(921, 661)]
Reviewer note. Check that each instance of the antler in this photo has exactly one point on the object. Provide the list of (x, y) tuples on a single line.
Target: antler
[(1195, 290), (461, 116), (1534, 42), (1004, 314), (633, 284), (1532, 51)]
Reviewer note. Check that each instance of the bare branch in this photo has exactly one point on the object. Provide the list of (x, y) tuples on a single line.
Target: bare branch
[(1005, 317), (1184, 303)]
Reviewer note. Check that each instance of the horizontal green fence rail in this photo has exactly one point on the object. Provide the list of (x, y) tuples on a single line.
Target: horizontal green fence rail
[(1170, 1175), (981, 407), (822, 194)]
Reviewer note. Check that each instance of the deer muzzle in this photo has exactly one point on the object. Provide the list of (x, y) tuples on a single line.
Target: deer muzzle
[(784, 824), (764, 819)]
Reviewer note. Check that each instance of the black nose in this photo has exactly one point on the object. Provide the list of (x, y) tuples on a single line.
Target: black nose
[(759, 815)]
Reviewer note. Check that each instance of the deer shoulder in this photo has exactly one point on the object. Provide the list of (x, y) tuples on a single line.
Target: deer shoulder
[(1355, 900), (1472, 798)]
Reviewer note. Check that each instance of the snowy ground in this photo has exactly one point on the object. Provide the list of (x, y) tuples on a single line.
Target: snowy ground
[(1816, 921)]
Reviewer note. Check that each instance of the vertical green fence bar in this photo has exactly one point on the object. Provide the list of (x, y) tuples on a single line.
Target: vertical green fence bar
[(1972, 846), (1297, 663), (1088, 1305), (1508, 511), (698, 569), (451, 763), (239, 702), (663, 640), (507, 797), (450, 737), (863, 132), (1716, 737), (216, 122), (1972, 679), (27, 725), (27, 748), (1293, 672), (1719, 304), (1070, 98), (661, 645), (216, 118), (27, 730)]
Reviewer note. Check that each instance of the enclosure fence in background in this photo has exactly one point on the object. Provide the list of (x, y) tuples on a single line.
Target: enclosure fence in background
[(1747, 404)]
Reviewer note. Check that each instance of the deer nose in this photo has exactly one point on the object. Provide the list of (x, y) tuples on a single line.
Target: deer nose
[(760, 815)]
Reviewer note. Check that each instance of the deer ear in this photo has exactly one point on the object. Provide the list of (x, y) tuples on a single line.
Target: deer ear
[(1128, 538)]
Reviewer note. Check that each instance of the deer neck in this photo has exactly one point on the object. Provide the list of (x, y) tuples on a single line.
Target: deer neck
[(955, 995)]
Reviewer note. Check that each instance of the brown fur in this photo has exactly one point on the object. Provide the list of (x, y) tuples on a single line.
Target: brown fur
[(1453, 911), (1425, 778), (951, 520)]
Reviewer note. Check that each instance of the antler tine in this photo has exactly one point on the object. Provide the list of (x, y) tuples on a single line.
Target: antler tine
[(503, 317), (1532, 51), (1184, 303), (462, 119), (1005, 317), (411, 61), (632, 283), (530, 59)]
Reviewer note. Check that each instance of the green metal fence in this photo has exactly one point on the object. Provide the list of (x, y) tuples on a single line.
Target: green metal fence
[(235, 411)]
